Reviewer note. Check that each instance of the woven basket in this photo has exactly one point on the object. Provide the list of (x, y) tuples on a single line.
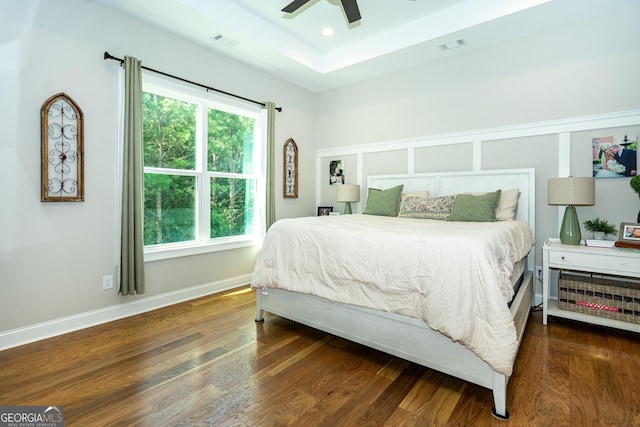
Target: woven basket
[(599, 296)]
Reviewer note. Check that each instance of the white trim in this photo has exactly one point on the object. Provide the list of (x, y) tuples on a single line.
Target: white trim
[(477, 155), (63, 325), (318, 180), (177, 250), (564, 167), (574, 124), (564, 154), (411, 160)]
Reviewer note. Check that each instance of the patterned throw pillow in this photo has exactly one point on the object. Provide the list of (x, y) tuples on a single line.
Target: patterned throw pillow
[(427, 208), (412, 202)]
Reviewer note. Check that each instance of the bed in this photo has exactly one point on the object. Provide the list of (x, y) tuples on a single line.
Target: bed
[(463, 314)]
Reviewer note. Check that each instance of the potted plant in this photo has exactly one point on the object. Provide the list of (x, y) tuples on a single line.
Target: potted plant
[(635, 184), (599, 228)]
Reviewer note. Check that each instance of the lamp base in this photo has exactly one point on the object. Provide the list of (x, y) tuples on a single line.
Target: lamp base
[(570, 230), (347, 208)]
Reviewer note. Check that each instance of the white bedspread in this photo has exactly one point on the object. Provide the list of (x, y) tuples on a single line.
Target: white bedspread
[(453, 275)]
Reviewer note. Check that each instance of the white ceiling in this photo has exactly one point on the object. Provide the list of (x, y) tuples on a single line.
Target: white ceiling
[(392, 34)]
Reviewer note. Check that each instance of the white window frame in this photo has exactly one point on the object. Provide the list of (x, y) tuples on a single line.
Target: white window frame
[(205, 100)]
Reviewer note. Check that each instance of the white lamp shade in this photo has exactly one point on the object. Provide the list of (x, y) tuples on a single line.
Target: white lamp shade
[(572, 191), (348, 193)]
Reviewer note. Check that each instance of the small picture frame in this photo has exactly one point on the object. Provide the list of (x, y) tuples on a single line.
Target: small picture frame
[(325, 210), (629, 232)]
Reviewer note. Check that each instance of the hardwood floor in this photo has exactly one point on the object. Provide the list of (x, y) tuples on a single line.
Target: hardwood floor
[(205, 362)]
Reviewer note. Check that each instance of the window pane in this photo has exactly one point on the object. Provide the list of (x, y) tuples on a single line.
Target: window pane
[(230, 142), (169, 132), (169, 208), (232, 202)]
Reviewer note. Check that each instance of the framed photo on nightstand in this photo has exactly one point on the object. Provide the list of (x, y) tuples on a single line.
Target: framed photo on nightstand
[(630, 232), (324, 210)]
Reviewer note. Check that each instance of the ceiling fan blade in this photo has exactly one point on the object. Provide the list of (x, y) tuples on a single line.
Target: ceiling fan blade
[(294, 5), (351, 10)]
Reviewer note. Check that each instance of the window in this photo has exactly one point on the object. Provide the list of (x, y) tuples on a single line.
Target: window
[(203, 163)]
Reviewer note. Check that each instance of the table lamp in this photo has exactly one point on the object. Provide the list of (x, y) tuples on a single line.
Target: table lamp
[(348, 193), (570, 192)]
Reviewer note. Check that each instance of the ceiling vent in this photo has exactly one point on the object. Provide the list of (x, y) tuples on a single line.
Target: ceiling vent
[(453, 44), (224, 40)]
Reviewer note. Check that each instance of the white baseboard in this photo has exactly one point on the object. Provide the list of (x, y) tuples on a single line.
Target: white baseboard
[(537, 299), (63, 325)]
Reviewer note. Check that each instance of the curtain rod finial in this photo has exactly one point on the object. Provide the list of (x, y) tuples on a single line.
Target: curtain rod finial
[(107, 55)]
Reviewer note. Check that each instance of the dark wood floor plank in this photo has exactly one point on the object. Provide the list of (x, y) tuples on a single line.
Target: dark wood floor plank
[(205, 362)]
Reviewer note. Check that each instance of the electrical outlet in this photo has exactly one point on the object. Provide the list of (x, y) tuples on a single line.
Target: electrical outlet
[(107, 282), (539, 273)]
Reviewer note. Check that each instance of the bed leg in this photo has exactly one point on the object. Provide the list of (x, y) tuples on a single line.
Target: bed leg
[(499, 409), (259, 310)]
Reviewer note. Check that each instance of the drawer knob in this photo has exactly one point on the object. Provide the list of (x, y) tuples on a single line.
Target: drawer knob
[(563, 258)]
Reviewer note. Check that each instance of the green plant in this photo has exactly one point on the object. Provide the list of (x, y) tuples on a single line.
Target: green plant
[(635, 184), (601, 225)]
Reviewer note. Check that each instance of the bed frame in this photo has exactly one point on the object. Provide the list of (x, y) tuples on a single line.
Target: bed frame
[(407, 337)]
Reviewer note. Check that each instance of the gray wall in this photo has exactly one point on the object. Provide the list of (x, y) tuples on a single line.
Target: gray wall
[(582, 69), (53, 255), (588, 69)]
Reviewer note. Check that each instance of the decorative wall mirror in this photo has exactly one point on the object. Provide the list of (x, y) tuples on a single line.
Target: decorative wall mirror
[(290, 180), (61, 148)]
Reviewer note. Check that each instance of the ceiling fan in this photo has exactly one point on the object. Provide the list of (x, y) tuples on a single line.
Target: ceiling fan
[(350, 8)]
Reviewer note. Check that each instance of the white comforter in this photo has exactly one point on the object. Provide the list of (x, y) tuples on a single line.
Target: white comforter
[(453, 275)]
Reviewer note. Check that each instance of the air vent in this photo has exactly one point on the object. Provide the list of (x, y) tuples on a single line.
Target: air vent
[(453, 44), (224, 40)]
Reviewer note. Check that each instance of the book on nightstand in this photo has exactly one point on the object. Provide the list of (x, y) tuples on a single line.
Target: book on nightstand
[(627, 245), (600, 243)]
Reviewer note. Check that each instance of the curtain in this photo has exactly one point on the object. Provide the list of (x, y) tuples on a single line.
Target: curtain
[(132, 279), (270, 215)]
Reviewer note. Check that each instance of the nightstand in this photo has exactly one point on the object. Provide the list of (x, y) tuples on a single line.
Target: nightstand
[(584, 260)]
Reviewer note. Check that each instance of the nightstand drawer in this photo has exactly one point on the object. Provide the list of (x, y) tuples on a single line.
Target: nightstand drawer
[(594, 262)]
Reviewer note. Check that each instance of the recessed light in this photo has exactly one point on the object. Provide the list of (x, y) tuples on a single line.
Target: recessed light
[(328, 31)]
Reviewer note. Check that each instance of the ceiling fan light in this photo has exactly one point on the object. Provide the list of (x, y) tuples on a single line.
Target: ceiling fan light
[(327, 31)]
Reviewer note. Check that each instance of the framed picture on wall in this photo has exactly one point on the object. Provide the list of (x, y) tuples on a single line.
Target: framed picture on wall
[(325, 210), (614, 156), (336, 172)]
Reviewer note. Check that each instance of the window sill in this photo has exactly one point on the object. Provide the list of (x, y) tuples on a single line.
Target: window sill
[(162, 252)]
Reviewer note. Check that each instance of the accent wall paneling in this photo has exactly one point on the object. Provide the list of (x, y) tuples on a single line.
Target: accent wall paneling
[(457, 148)]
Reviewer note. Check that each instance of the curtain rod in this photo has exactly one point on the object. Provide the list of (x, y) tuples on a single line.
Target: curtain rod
[(107, 55)]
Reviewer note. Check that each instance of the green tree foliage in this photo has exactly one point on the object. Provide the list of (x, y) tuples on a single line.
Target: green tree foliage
[(169, 132), (169, 129), (230, 144), (169, 214)]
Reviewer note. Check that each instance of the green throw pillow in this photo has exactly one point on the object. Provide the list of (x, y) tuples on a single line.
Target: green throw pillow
[(384, 202), (471, 208)]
